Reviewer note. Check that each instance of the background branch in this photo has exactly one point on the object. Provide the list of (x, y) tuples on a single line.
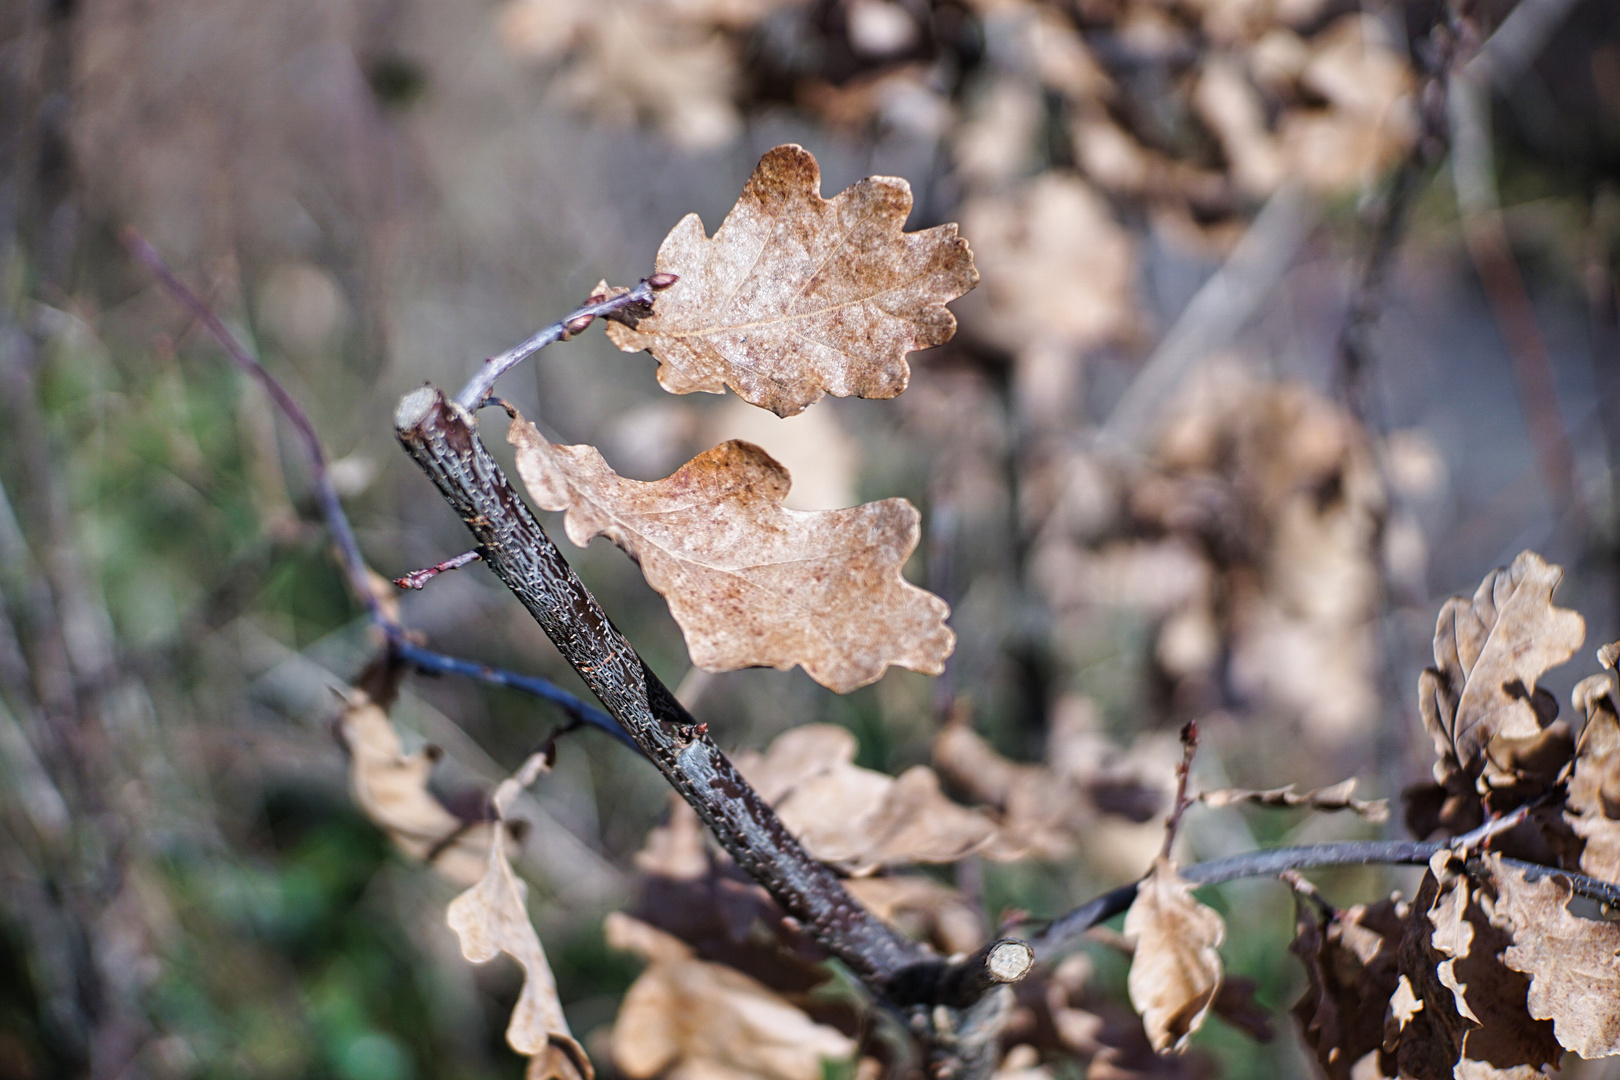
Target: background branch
[(1275, 862), (359, 576)]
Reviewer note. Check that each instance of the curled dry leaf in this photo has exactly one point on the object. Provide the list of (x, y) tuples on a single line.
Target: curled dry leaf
[(491, 918), (797, 296), (749, 582), (855, 817), (1458, 1008), (391, 787), (1573, 962), (1592, 807), (1351, 961), (1176, 972), (1489, 652), (702, 1021), (1337, 797)]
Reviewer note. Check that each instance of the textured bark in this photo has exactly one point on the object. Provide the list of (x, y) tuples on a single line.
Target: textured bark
[(439, 435)]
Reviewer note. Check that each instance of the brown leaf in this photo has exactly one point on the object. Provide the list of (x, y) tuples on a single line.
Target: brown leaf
[(749, 582), (797, 296), (491, 918), (1458, 1008), (855, 817), (1573, 962), (391, 787), (1489, 653), (1592, 809), (1176, 972), (924, 909), (1048, 809), (1351, 962), (1336, 797), (703, 1021)]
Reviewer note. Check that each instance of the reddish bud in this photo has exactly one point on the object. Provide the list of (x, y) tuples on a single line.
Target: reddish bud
[(663, 280)]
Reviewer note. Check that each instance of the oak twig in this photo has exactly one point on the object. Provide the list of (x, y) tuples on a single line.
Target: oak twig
[(418, 578), (478, 387), (1273, 863), (440, 437)]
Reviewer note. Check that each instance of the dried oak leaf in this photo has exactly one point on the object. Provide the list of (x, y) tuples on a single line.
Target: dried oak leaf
[(750, 582), (1176, 972), (1335, 797), (1573, 962), (491, 918), (858, 818), (700, 1021), (1458, 1009), (1592, 808), (1351, 963), (1489, 652), (797, 296), (391, 787)]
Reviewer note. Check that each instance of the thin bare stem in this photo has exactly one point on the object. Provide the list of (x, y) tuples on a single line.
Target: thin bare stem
[(478, 387), (1189, 750), (354, 564), (418, 578), (356, 572), (1273, 863)]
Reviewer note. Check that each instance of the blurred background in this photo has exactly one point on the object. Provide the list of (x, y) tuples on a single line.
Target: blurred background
[(1296, 317)]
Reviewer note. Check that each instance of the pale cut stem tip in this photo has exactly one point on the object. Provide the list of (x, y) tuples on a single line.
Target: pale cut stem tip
[(1009, 960), (414, 407)]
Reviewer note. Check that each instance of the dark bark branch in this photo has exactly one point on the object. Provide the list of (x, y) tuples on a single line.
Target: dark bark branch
[(439, 435), (1277, 861)]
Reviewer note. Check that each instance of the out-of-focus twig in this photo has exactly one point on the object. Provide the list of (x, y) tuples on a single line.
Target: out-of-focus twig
[(1473, 173), (1217, 312), (357, 573)]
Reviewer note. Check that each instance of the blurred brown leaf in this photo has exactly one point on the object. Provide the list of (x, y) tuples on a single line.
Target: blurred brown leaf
[(1489, 652), (1176, 972), (1351, 963), (1047, 809), (491, 918), (797, 296), (855, 817), (703, 1021), (749, 582), (391, 787), (1336, 797)]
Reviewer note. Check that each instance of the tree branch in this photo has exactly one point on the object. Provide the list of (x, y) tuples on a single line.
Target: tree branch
[(440, 436), (1276, 861), (956, 1005)]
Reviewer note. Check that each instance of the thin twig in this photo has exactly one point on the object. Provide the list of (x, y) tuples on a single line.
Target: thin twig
[(418, 578), (1066, 928), (1189, 750), (478, 387), (356, 572), (1219, 310)]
